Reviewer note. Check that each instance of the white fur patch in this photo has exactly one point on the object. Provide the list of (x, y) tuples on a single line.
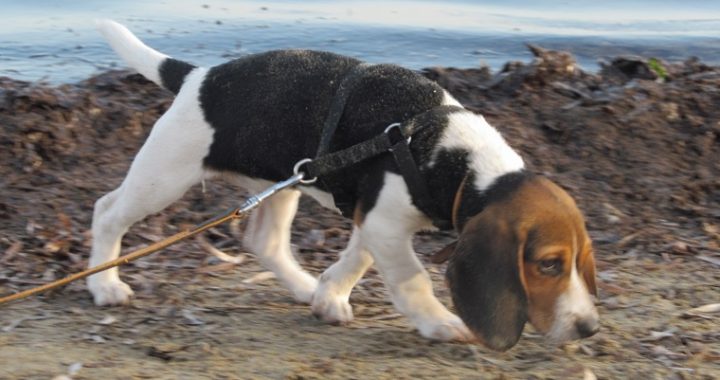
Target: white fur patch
[(574, 305), (387, 233), (268, 237), (134, 52), (490, 155), (449, 100), (331, 301), (166, 166)]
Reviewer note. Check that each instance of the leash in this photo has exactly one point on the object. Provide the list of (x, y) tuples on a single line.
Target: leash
[(232, 214)]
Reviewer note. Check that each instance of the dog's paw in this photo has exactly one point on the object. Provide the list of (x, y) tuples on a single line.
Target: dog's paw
[(108, 293), (450, 328), (304, 287), (332, 309)]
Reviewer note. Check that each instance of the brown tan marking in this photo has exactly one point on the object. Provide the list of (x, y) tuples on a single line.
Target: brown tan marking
[(358, 215), (556, 223), (544, 224)]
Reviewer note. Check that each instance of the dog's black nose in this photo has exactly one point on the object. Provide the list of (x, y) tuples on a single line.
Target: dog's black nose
[(587, 327)]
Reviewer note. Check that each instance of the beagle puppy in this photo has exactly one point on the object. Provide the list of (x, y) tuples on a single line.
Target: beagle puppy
[(523, 253)]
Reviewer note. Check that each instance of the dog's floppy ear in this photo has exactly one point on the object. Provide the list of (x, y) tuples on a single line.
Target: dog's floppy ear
[(586, 266), (486, 280)]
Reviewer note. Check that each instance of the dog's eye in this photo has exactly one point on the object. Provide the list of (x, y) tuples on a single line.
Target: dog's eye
[(551, 267)]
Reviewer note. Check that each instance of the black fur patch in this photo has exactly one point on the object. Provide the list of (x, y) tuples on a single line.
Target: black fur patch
[(445, 178), (173, 73), (268, 112), (449, 166), (474, 201), (484, 279)]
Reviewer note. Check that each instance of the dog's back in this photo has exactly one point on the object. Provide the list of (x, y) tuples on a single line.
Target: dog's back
[(279, 100)]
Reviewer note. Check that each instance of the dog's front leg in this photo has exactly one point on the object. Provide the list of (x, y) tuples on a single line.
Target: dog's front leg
[(331, 301), (387, 233), (411, 289)]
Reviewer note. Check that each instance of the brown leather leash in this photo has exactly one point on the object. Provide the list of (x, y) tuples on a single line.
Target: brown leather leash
[(232, 214), (395, 140)]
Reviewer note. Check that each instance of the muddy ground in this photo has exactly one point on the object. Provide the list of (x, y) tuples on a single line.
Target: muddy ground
[(637, 144)]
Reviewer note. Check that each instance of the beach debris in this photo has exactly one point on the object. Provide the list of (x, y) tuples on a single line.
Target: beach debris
[(613, 214), (703, 311), (222, 267), (658, 68), (632, 67), (711, 260), (107, 320), (662, 351), (222, 256), (659, 335), (315, 238), (161, 352), (17, 322), (260, 277), (74, 368), (190, 318), (12, 325), (94, 338), (11, 251), (552, 63)]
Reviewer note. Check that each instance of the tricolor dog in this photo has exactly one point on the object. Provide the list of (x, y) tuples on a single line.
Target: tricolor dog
[(523, 253)]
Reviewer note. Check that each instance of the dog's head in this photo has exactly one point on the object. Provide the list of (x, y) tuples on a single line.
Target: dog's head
[(526, 257)]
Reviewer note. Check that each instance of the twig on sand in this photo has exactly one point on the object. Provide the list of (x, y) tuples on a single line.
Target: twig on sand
[(218, 253), (711, 260), (703, 311), (262, 276)]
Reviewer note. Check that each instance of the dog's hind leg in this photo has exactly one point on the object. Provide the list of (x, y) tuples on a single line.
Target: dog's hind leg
[(170, 161), (268, 237), (331, 301)]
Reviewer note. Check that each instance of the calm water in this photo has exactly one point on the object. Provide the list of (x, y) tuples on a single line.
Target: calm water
[(55, 41)]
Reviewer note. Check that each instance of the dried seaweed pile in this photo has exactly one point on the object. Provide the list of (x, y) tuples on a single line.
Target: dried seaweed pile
[(637, 144)]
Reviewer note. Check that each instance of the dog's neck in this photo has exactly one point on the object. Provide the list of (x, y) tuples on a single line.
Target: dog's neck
[(461, 160), (470, 201), (445, 180)]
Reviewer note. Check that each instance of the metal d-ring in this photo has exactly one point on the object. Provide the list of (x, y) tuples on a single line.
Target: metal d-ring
[(396, 125), (296, 171)]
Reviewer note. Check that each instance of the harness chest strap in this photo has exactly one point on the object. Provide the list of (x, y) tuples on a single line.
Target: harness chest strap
[(393, 141)]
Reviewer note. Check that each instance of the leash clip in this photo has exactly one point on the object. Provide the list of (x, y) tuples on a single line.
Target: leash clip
[(296, 172), (395, 133)]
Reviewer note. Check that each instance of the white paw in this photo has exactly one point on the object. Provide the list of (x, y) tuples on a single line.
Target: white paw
[(332, 309), (304, 287), (449, 328), (109, 292)]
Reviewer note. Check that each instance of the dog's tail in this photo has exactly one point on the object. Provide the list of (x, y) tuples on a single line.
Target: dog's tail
[(153, 65)]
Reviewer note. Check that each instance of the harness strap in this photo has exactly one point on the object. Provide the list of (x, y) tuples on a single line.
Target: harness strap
[(415, 182), (394, 139), (338, 107), (342, 159)]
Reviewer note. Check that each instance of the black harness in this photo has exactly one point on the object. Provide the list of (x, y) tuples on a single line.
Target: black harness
[(395, 139)]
